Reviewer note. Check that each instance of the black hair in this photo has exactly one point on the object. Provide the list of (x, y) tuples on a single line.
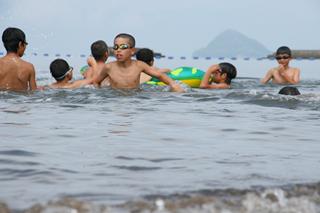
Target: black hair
[(229, 69), (146, 55), (99, 49), (289, 91), (132, 41), (59, 68), (283, 50), (11, 38)]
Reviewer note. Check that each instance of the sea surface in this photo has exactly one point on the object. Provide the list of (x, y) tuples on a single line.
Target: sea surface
[(246, 149)]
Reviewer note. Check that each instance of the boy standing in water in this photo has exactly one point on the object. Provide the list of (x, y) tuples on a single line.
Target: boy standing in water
[(15, 73), (99, 51), (283, 74), (147, 56), (124, 73), (219, 74)]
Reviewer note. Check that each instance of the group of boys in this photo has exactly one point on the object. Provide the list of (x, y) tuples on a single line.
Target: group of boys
[(124, 73)]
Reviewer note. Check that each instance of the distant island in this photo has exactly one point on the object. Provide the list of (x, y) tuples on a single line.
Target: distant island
[(232, 43)]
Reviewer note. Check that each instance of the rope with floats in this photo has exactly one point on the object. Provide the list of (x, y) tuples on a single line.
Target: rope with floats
[(160, 56)]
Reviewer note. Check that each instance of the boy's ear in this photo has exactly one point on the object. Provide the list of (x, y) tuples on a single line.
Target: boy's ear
[(133, 51), (21, 45)]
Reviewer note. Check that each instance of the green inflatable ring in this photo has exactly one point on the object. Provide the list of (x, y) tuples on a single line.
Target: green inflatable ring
[(188, 75)]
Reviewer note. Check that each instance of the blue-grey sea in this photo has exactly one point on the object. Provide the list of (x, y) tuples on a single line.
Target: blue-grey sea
[(246, 149)]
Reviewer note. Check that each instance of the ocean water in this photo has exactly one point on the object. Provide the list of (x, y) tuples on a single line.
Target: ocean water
[(246, 149)]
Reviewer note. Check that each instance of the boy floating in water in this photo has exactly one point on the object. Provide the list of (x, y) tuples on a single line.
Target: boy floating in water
[(15, 73), (283, 74), (62, 72), (124, 73), (147, 56), (219, 74)]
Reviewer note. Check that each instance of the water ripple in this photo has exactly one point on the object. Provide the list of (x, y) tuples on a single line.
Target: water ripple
[(157, 160), (18, 153), (13, 162), (137, 168)]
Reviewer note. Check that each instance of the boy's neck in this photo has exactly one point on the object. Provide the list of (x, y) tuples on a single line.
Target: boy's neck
[(63, 82), (101, 62), (286, 66), (125, 63), (13, 54)]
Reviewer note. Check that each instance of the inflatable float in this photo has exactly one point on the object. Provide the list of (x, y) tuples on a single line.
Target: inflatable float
[(188, 75)]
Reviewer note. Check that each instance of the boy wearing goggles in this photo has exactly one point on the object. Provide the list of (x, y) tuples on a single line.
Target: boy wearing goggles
[(219, 76), (124, 73), (283, 74), (62, 72)]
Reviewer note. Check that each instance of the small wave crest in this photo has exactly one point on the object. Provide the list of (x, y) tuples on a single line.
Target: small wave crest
[(298, 198)]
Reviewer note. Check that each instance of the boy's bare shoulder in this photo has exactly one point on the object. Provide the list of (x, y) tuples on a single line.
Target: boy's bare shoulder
[(295, 69), (140, 63), (110, 64), (27, 65)]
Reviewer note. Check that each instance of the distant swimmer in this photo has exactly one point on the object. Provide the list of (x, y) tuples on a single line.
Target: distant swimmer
[(147, 56), (283, 74), (219, 76), (289, 91), (124, 73), (15, 73)]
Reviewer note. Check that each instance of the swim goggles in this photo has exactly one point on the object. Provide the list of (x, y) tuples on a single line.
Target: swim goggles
[(64, 75), (121, 47)]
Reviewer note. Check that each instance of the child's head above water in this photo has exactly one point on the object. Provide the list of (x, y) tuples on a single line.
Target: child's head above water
[(130, 38), (99, 50), (229, 70), (146, 55), (283, 51), (60, 70), (288, 90), (11, 38)]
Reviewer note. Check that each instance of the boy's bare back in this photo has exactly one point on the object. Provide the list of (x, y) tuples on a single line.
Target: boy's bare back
[(16, 74)]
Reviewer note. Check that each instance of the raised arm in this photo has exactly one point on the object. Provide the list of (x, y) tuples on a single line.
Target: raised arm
[(267, 77), (99, 73), (205, 82), (161, 76), (292, 79)]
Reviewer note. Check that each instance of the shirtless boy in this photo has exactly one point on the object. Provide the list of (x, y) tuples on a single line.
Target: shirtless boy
[(283, 74), (62, 72), (15, 73), (219, 76), (147, 56), (99, 51), (124, 73)]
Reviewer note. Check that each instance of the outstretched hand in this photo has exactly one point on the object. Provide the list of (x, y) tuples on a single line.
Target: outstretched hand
[(176, 88)]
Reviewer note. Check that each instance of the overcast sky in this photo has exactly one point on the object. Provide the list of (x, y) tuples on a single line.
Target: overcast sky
[(174, 28)]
